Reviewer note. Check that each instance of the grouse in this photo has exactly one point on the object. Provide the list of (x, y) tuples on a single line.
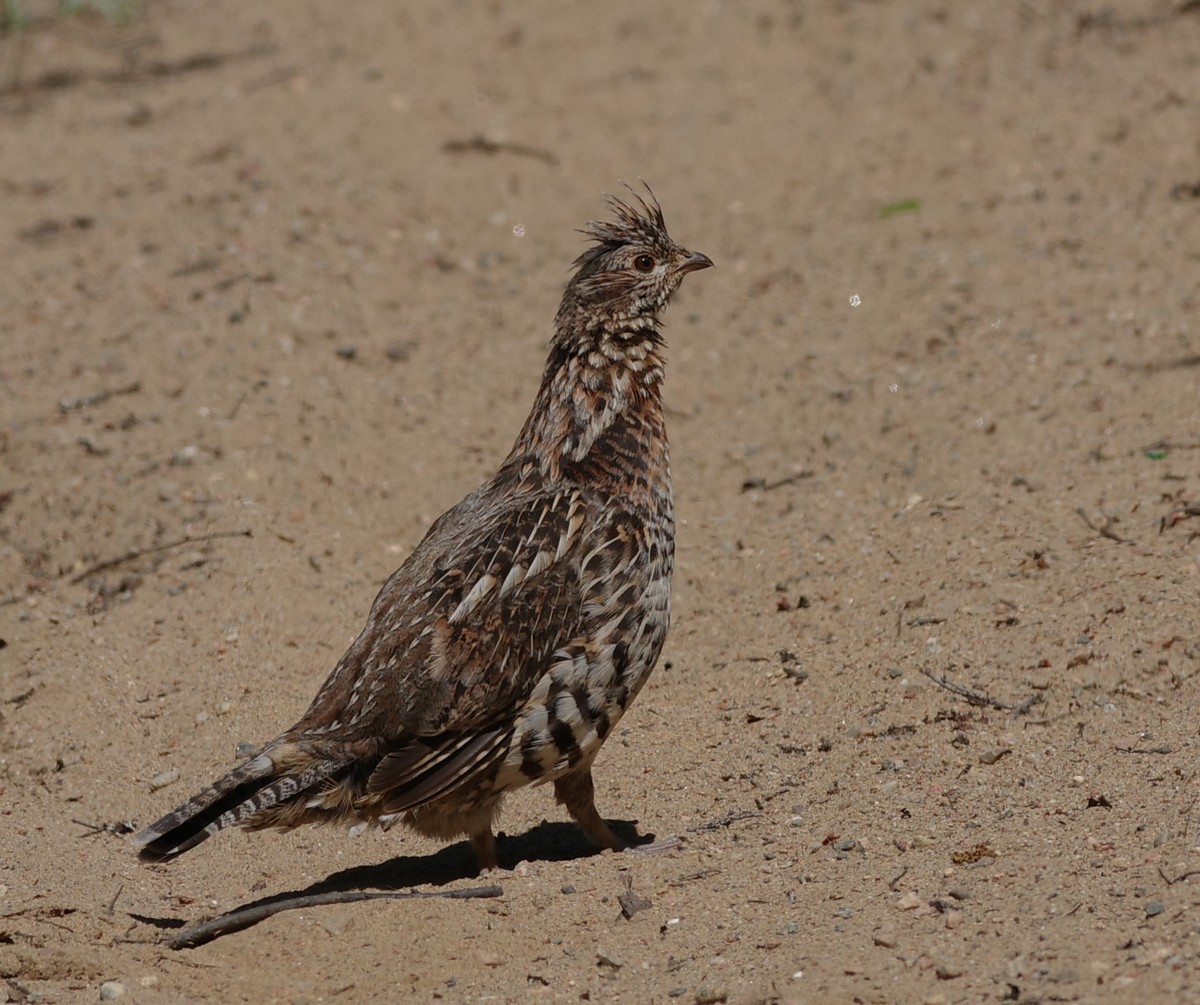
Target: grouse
[(507, 647)]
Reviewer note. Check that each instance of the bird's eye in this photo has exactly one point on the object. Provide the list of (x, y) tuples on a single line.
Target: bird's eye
[(643, 263)]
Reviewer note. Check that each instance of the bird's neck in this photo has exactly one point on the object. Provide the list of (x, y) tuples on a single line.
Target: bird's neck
[(599, 408)]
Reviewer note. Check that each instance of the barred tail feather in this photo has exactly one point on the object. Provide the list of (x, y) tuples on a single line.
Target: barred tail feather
[(235, 799)]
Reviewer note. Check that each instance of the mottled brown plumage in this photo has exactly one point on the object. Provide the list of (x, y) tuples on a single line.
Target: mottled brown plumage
[(509, 644)]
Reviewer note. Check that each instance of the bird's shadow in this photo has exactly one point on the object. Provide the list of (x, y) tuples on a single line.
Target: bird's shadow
[(547, 842)]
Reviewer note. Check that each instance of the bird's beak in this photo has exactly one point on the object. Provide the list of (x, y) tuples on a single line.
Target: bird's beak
[(694, 262)]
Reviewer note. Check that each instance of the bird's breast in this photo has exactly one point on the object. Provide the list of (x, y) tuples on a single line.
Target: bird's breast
[(590, 681)]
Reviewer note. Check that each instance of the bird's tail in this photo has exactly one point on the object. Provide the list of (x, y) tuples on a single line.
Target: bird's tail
[(245, 796)]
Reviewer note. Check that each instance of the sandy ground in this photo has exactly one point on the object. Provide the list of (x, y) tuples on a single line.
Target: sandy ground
[(287, 270)]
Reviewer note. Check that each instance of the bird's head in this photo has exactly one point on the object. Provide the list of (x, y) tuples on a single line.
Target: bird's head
[(633, 267)]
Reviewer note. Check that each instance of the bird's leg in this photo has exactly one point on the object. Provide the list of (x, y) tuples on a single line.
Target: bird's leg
[(576, 793), (484, 843)]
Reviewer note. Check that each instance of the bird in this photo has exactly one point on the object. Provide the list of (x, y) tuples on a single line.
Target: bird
[(508, 645)]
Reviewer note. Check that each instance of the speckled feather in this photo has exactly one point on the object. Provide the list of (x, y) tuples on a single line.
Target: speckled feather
[(512, 640)]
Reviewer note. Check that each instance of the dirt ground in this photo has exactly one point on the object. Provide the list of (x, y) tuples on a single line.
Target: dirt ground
[(278, 279)]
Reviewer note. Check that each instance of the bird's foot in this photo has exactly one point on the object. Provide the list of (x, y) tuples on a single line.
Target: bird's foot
[(484, 843)]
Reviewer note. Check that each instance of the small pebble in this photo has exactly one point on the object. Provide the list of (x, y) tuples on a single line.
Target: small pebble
[(337, 923), (607, 959), (399, 352), (568, 888), (886, 938), (947, 971), (163, 779), (111, 991), (910, 901), (1154, 907), (185, 456)]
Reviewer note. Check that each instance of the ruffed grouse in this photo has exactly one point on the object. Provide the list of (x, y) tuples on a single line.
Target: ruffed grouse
[(509, 644)]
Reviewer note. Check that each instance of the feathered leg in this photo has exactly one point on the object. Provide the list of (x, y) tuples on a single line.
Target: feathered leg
[(576, 792)]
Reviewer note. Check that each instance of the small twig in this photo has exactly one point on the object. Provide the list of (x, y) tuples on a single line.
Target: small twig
[(1178, 515), (71, 404), (55, 924), (1178, 879), (691, 877), (136, 553), (725, 821), (1164, 749), (117, 827), (1034, 699), (194, 964), (974, 697), (21, 697), (762, 485), (223, 284), (236, 407), (244, 917), (1104, 529), (920, 622), (91, 448), (894, 881), (479, 144), (632, 902), (113, 903)]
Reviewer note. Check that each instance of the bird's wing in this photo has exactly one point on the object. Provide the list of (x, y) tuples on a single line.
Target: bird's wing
[(501, 603), (456, 641)]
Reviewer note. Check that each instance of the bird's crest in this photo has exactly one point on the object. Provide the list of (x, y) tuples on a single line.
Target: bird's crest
[(642, 223)]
